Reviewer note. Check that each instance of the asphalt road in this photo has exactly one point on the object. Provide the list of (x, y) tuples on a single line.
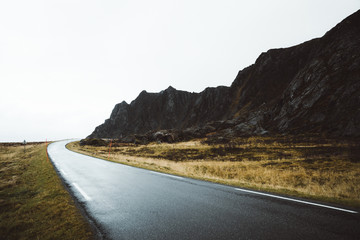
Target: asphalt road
[(132, 203)]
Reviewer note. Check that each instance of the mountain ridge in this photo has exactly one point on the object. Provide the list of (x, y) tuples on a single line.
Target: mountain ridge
[(313, 87)]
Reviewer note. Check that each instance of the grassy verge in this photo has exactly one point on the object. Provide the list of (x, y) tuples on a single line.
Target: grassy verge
[(320, 169), (33, 201)]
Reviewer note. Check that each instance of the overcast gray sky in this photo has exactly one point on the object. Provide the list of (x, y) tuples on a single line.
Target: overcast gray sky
[(65, 64)]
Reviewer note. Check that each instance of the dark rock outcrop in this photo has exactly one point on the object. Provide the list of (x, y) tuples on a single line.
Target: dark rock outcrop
[(313, 87), (169, 109)]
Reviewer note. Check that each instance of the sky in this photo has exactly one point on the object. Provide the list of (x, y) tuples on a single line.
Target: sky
[(64, 64)]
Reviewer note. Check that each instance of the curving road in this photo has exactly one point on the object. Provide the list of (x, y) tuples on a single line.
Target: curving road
[(132, 203)]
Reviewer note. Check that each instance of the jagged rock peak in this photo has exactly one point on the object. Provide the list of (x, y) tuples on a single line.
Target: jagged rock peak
[(170, 88), (143, 92)]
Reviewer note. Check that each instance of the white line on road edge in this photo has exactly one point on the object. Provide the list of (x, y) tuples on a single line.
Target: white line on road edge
[(295, 200), (63, 172), (82, 192), (167, 175)]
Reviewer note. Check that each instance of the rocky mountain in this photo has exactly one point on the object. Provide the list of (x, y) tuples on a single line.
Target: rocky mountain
[(313, 87), (169, 109)]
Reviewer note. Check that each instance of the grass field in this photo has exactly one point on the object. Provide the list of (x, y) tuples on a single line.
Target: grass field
[(33, 201), (315, 168)]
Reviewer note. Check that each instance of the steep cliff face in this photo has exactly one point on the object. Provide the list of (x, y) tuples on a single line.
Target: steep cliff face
[(169, 109), (313, 87), (324, 95)]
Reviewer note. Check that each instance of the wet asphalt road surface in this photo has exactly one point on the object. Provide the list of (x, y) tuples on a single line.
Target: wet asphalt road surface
[(132, 203)]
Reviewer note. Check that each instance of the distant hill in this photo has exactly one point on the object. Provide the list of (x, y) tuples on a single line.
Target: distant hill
[(313, 87)]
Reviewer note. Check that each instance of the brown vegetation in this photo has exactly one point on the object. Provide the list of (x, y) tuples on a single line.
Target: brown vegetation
[(312, 167)]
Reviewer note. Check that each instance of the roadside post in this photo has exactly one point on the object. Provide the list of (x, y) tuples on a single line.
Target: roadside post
[(24, 143)]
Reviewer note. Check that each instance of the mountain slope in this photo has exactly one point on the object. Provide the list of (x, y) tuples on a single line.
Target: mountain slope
[(313, 87)]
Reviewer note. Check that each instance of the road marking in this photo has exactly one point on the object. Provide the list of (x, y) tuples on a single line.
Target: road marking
[(82, 192), (167, 175), (295, 200), (63, 172)]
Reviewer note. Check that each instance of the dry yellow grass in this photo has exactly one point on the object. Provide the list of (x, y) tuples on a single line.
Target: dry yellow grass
[(325, 171), (33, 201)]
